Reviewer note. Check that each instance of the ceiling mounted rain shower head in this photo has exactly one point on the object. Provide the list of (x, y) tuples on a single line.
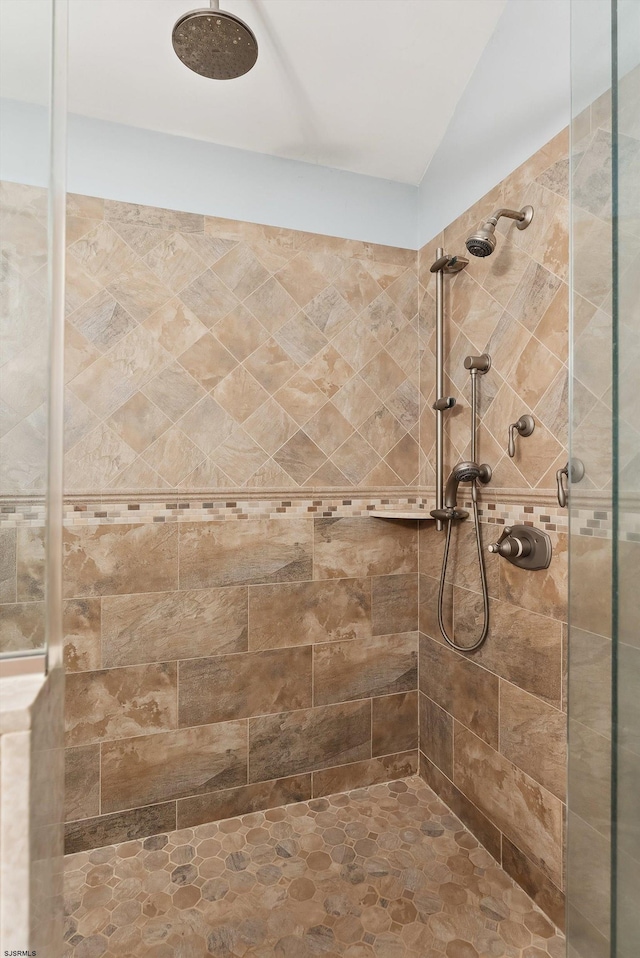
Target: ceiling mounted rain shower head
[(483, 241), (215, 44)]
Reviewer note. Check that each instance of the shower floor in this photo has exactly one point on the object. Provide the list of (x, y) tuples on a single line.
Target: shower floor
[(380, 872)]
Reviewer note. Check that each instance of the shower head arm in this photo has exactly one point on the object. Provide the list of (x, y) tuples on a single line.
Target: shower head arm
[(523, 216), (215, 5)]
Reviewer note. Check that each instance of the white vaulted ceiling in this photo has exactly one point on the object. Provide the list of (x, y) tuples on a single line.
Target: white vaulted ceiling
[(367, 86)]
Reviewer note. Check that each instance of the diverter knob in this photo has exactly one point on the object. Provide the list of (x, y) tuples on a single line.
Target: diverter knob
[(524, 546), (511, 547)]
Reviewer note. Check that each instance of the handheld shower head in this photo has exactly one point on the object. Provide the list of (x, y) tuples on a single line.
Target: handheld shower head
[(483, 241), (464, 472)]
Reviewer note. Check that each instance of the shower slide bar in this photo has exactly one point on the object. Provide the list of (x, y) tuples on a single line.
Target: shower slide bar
[(443, 264)]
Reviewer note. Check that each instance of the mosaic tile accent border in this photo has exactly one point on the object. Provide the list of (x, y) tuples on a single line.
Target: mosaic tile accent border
[(205, 509), (544, 517), (594, 522)]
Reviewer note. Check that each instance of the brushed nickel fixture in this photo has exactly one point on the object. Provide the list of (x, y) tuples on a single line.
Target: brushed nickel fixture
[(473, 473), (448, 265), (483, 241), (574, 472), (215, 44), (464, 472), (524, 546), (524, 427)]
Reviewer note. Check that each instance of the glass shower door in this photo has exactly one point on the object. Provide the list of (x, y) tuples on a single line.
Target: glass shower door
[(603, 907), (626, 479)]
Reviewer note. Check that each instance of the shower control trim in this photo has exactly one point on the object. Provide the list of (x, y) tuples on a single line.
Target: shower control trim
[(524, 546), (524, 427)]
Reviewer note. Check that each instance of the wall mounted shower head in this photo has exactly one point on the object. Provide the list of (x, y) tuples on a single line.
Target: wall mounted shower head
[(215, 44), (483, 241), (464, 472)]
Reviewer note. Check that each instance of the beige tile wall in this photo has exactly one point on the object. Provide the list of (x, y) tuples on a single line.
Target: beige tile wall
[(493, 723), (197, 690), (514, 305), (216, 667), (212, 354)]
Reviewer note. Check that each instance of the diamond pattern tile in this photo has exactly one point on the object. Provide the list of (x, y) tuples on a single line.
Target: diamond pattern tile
[(241, 271), (166, 307), (174, 262), (380, 872)]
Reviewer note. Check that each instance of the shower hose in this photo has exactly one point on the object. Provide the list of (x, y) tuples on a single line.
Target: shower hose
[(483, 577)]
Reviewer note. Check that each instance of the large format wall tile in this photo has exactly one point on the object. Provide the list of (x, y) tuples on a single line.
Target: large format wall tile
[(238, 801), (82, 782), (545, 592), (303, 613), (524, 811), (360, 774), (113, 560), (7, 565), (119, 827), (462, 688), (355, 547), (355, 670), (229, 553), (394, 604), (482, 826), (30, 563), (226, 687), (524, 648), (533, 736), (120, 703), (544, 892), (82, 629), (394, 723), (592, 588), (173, 625), (589, 855), (23, 626), (295, 742), (436, 734), (169, 765)]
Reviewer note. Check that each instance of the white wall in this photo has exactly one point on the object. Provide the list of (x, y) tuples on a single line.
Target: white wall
[(157, 169), (518, 99)]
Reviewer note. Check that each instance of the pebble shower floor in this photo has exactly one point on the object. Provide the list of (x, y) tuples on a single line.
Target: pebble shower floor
[(380, 872)]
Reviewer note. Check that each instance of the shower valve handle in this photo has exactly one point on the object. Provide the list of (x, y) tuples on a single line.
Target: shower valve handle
[(524, 546), (524, 427), (576, 467), (511, 547)]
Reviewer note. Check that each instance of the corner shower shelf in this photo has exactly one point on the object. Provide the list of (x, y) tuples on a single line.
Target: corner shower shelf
[(396, 514)]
